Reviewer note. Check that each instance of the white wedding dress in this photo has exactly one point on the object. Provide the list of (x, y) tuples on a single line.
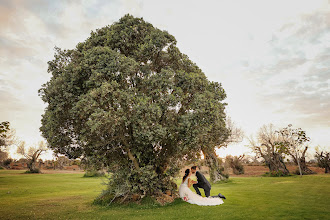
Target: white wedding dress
[(189, 196)]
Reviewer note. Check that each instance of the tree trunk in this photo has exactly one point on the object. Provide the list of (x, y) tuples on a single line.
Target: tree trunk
[(301, 163), (31, 166), (327, 166), (304, 168), (215, 169), (275, 163), (133, 159)]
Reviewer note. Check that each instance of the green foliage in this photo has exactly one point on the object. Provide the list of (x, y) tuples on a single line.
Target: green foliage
[(7, 162), (4, 128), (294, 143), (36, 170), (297, 172), (291, 140), (131, 185), (323, 160), (130, 99), (216, 168), (94, 173), (236, 164), (278, 173)]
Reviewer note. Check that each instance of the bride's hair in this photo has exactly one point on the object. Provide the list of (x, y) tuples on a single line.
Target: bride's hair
[(185, 175)]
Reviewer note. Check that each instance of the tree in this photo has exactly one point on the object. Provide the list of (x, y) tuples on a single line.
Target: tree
[(32, 155), (323, 160), (3, 157), (62, 161), (236, 164), (128, 97), (293, 142), (267, 147), (232, 134)]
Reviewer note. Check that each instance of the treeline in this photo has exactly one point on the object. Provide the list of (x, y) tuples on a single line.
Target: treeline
[(59, 163), (274, 145)]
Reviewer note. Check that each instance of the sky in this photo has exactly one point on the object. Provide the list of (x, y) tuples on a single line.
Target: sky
[(271, 57)]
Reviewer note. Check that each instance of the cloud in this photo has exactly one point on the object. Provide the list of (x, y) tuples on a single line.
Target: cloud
[(9, 102), (296, 81)]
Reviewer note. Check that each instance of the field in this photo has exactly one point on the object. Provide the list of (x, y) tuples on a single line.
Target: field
[(70, 196)]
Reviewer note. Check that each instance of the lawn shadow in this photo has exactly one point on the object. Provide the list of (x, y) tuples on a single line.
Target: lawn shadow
[(145, 204)]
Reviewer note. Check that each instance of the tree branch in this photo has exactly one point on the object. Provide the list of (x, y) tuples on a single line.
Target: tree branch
[(132, 158)]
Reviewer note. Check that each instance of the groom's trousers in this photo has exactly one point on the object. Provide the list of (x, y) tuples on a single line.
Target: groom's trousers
[(206, 189)]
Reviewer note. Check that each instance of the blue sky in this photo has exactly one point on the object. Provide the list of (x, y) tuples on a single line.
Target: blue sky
[(272, 57)]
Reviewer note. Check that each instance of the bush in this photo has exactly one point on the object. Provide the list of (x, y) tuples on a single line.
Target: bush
[(134, 186), (303, 172), (7, 162), (276, 174), (1, 168), (94, 173), (33, 171), (323, 160), (236, 164)]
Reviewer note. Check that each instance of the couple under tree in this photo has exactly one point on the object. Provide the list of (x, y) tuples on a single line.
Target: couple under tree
[(189, 196)]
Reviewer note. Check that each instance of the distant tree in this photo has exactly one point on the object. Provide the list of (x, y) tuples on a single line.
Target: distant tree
[(62, 161), (7, 137), (128, 97), (3, 157), (32, 154), (267, 147), (323, 160), (7, 162), (235, 163), (92, 167), (293, 142), (77, 162)]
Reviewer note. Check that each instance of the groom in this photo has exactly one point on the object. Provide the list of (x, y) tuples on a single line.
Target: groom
[(202, 183)]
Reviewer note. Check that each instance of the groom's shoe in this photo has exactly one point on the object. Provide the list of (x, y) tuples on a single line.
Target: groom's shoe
[(221, 196)]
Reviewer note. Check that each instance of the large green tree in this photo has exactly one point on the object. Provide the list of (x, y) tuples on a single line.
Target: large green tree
[(130, 98)]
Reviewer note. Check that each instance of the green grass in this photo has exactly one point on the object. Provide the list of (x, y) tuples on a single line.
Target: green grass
[(70, 196)]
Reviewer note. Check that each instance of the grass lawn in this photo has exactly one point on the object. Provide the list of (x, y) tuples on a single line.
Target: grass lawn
[(70, 196)]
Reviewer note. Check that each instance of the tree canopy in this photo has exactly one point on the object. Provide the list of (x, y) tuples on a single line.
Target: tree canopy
[(4, 128), (130, 98)]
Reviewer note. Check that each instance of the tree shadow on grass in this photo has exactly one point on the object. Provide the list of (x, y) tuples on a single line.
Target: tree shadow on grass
[(146, 203)]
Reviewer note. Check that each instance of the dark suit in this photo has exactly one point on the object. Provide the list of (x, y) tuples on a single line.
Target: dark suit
[(202, 183)]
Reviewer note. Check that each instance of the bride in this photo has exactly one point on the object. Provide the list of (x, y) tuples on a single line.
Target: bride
[(189, 196)]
